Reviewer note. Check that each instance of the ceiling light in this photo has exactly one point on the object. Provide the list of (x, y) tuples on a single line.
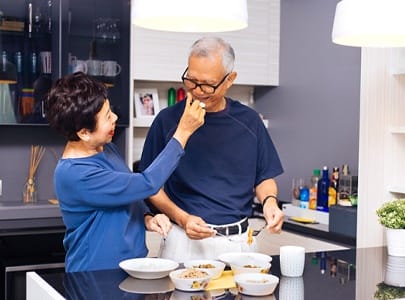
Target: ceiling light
[(369, 23), (190, 15)]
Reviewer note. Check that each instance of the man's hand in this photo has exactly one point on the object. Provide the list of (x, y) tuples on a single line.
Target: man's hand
[(274, 216), (196, 228)]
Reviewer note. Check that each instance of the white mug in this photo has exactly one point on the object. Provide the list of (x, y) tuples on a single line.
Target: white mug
[(111, 68), (78, 65), (46, 62), (292, 260), (95, 67), (291, 288)]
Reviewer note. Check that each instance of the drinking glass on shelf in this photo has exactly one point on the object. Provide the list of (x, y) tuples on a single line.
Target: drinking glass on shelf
[(106, 28), (297, 184)]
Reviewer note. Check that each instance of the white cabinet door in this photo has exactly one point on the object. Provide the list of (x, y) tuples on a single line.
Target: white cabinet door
[(37, 288), (162, 56)]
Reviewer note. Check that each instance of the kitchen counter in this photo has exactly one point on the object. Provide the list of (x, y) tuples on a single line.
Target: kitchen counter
[(15, 216), (346, 274), (318, 231), (16, 210)]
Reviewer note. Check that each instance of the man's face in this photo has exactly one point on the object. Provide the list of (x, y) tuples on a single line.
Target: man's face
[(209, 70)]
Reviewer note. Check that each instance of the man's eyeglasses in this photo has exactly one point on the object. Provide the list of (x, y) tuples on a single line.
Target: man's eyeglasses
[(205, 87)]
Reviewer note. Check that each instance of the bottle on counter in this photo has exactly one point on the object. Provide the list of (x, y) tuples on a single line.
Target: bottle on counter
[(181, 94), (323, 191), (322, 264), (313, 190), (304, 196), (171, 97), (334, 186)]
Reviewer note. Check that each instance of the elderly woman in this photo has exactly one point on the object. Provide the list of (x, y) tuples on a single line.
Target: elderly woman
[(101, 200)]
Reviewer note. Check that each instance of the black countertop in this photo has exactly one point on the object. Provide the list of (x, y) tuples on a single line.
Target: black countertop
[(345, 274), (318, 231)]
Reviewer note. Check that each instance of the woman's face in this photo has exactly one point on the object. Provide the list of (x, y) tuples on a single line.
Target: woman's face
[(147, 101), (105, 125)]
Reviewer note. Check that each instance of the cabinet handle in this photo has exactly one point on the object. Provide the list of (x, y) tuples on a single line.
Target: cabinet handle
[(30, 18)]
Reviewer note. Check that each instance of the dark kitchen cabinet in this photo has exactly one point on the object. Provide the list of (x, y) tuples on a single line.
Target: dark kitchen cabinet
[(31, 31), (42, 40)]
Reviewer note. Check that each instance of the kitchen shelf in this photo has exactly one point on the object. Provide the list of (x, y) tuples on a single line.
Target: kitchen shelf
[(140, 122), (397, 130), (396, 189)]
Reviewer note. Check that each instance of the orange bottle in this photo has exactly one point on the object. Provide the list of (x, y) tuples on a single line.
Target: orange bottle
[(313, 191)]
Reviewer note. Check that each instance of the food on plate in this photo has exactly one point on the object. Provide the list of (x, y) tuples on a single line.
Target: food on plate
[(251, 266), (193, 273), (212, 267), (257, 281), (204, 266), (250, 236)]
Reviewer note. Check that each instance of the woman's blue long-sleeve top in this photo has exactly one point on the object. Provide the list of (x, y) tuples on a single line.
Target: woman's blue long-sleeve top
[(102, 205)]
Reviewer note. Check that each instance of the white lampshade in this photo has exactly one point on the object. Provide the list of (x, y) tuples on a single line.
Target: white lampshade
[(370, 23), (190, 15)]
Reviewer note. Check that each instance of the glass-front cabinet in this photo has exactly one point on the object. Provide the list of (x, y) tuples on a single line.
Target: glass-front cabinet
[(42, 40)]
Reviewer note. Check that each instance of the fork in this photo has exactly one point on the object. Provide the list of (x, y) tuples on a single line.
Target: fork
[(161, 247)]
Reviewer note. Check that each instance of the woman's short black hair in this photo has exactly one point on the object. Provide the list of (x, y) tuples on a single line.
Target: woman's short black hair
[(73, 103)]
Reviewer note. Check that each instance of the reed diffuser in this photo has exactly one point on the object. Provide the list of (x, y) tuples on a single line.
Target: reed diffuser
[(30, 192)]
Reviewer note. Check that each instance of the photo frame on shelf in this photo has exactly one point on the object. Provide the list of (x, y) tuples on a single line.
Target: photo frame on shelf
[(146, 103)]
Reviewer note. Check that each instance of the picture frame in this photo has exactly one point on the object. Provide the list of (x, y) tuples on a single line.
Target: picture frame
[(146, 103)]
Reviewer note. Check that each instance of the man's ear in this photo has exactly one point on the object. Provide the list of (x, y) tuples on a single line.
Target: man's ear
[(231, 78)]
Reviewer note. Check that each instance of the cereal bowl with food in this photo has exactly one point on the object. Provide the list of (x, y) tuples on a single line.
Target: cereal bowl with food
[(190, 279), (257, 267), (256, 284), (249, 263), (213, 267)]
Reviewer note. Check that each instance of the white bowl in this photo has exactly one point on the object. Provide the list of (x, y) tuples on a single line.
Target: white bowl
[(235, 257), (247, 262), (142, 286), (256, 284), (200, 295), (148, 267), (191, 283), (257, 267), (213, 267)]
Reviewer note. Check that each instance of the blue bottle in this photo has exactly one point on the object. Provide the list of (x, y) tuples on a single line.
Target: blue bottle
[(323, 191), (304, 197)]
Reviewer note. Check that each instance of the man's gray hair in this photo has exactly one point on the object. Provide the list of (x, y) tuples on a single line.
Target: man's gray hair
[(207, 46)]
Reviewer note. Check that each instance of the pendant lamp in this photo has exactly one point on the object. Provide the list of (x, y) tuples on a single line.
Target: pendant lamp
[(190, 15), (369, 23)]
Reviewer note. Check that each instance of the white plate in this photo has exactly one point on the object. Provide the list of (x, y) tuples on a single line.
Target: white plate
[(148, 267), (141, 286), (233, 256)]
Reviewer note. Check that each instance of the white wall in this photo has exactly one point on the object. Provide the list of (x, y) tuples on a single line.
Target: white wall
[(381, 152), (314, 112)]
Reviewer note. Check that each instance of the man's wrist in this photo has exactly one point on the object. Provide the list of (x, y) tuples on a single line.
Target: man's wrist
[(148, 214), (267, 198)]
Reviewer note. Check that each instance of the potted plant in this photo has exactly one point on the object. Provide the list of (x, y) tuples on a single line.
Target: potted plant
[(388, 292), (392, 216)]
